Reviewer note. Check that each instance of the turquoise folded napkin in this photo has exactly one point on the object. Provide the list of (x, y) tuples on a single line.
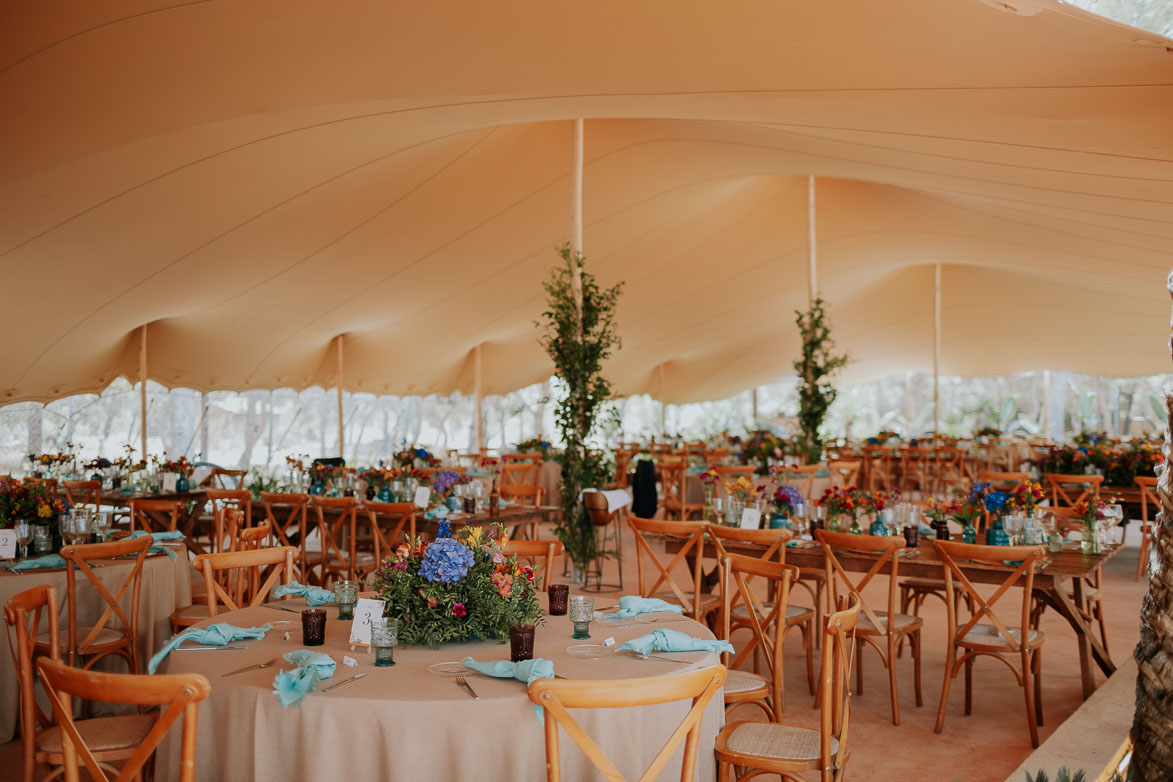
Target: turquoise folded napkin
[(478, 472), (47, 561), (527, 671), (925, 529), (663, 639), (437, 513), (315, 596), (157, 537), (697, 469), (219, 634), (630, 605), (291, 687)]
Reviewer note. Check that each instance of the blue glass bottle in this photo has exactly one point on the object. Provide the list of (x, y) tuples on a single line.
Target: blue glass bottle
[(995, 535)]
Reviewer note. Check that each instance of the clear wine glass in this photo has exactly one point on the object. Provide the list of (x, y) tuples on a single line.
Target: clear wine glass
[(101, 524), (24, 536)]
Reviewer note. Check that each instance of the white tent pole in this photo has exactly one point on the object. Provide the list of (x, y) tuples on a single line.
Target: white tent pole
[(142, 386), (936, 348), (576, 209), (812, 259), (754, 405), (663, 404), (341, 421), (480, 395)]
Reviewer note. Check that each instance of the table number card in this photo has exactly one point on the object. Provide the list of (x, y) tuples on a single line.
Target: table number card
[(422, 495), (751, 518), (7, 544), (360, 628), (169, 479)]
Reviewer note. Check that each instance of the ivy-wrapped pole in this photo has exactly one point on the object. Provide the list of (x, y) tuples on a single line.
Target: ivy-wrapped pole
[(936, 352), (1152, 723), (142, 391)]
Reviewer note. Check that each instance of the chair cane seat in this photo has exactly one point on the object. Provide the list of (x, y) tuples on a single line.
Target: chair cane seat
[(903, 623), (101, 734), (780, 742), (191, 613), (925, 583), (793, 613), (988, 636), (106, 636), (739, 682)]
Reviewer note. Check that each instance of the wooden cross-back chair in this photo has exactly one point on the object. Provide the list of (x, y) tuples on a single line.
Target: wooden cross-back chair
[(804, 477), (85, 645), (1002, 481), (338, 555), (731, 473), (673, 495), (949, 469), (539, 554), (223, 479), (82, 493), (1070, 490), (755, 748), (401, 515), (175, 695), (40, 739), (877, 462), (691, 536), (774, 541), (844, 472), (915, 469), (556, 696), (253, 538), (241, 584), (286, 514), (874, 626), (224, 536), (767, 622), (1148, 495), (517, 474), (245, 588), (155, 515), (527, 496), (994, 637)]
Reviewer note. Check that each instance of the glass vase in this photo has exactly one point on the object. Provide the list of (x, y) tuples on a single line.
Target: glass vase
[(968, 533), (735, 509), (1089, 543), (1055, 542), (707, 510), (996, 535)]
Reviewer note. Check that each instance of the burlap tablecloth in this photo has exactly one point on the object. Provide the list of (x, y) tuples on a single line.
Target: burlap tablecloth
[(166, 586), (406, 723)]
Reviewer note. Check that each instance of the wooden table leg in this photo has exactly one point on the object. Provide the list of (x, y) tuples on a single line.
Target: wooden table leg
[(1089, 645)]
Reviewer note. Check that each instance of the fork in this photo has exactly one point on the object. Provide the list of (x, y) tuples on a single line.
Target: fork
[(464, 683), (255, 666)]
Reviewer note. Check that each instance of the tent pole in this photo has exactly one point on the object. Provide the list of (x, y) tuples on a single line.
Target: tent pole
[(341, 422), (480, 394), (754, 406), (936, 349), (576, 210), (663, 404), (812, 259), (142, 386)]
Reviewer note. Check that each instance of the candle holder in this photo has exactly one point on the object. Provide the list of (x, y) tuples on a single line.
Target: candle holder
[(559, 593), (384, 637), (582, 611), (313, 626), (911, 536)]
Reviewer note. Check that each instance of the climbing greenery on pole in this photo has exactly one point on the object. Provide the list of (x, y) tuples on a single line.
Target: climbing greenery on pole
[(578, 345), (815, 369)]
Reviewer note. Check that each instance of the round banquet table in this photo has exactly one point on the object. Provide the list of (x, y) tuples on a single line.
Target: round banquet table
[(166, 586), (404, 722)]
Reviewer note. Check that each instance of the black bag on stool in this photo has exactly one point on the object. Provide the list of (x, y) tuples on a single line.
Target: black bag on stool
[(643, 490)]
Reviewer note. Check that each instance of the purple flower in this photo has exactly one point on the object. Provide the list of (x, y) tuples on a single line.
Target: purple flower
[(788, 495), (447, 561), (445, 480)]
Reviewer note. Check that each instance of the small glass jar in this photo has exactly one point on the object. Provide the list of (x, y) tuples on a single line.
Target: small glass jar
[(521, 643), (582, 611), (313, 626), (384, 637), (42, 539), (558, 594), (346, 595)]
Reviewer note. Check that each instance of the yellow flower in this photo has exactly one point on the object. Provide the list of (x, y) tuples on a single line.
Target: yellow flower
[(474, 535), (44, 511)]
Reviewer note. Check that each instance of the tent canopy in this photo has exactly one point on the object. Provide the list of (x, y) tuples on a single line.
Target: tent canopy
[(254, 179)]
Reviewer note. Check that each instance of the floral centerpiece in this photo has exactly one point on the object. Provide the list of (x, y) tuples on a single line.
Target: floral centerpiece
[(378, 481), (710, 479), (322, 476), (987, 433), (848, 502), (444, 486), (457, 589), (1090, 514), (760, 448), (31, 503), (997, 503), (786, 500), (50, 464), (1027, 495), (1119, 463), (883, 438), (533, 445), (739, 495), (410, 458)]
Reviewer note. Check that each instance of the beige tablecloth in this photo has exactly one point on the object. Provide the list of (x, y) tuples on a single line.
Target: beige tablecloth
[(166, 586), (406, 723)]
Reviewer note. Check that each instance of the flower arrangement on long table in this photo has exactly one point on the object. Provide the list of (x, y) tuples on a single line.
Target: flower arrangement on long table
[(458, 589)]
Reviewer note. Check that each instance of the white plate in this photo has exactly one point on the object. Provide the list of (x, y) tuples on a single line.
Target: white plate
[(448, 669), (588, 650), (616, 622)]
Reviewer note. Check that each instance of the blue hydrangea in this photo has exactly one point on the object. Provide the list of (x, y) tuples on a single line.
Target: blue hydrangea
[(443, 529), (996, 501), (447, 561)]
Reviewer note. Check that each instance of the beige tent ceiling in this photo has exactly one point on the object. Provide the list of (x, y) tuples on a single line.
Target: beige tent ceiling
[(253, 179)]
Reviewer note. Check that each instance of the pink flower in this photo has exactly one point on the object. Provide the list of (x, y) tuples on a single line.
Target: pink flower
[(458, 611), (400, 565), (498, 558)]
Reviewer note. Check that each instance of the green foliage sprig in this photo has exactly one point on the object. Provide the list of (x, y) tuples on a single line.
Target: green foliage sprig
[(815, 369), (578, 345)]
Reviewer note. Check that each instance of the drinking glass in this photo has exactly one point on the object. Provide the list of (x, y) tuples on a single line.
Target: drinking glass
[(521, 643), (80, 526), (384, 637), (1014, 527), (313, 626), (42, 539), (582, 611), (101, 524), (346, 595), (24, 536), (558, 596)]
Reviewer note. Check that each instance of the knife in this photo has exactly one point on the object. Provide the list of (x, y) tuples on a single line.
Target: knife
[(344, 681), (206, 648), (282, 608)]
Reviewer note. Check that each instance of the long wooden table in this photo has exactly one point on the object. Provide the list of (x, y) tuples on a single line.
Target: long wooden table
[(1050, 583)]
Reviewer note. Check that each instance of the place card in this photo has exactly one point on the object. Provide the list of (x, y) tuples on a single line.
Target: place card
[(8, 544), (348, 660), (751, 518), (286, 636), (169, 480), (360, 628), (609, 641), (422, 495)]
